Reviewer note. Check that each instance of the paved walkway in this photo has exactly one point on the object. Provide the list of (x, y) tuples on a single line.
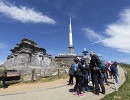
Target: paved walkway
[(56, 90)]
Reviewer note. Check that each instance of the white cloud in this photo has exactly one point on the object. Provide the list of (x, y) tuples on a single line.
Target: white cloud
[(97, 42), (24, 14), (89, 33), (118, 33), (2, 45)]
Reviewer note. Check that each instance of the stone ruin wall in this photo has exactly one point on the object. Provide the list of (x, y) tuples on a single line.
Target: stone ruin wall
[(27, 56)]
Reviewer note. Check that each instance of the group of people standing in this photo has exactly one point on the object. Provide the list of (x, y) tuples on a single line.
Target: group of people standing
[(97, 75)]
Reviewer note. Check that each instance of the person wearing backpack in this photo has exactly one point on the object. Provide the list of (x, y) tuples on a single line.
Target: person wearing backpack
[(96, 74), (85, 71), (114, 71), (77, 72), (102, 67)]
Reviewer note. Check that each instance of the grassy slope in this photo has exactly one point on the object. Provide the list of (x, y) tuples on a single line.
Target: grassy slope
[(48, 79), (124, 90)]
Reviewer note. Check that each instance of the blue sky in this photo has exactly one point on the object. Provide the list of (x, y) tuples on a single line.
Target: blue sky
[(102, 26)]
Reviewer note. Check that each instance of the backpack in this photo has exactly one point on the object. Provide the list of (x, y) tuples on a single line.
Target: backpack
[(75, 69), (101, 62)]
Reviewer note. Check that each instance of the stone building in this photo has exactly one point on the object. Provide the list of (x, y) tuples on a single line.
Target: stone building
[(66, 60), (27, 56)]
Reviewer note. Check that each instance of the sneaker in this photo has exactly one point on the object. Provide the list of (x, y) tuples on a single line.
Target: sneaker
[(83, 90), (71, 84), (117, 83), (96, 93), (74, 92), (103, 92), (81, 95), (90, 82), (87, 89)]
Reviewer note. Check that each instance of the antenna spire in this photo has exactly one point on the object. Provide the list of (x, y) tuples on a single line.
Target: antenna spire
[(70, 34)]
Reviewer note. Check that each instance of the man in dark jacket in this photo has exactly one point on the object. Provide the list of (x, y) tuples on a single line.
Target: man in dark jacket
[(96, 74)]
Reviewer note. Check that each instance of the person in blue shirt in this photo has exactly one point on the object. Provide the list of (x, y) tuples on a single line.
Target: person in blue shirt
[(114, 71)]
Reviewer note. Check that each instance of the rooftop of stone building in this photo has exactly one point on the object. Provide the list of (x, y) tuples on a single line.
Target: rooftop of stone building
[(29, 43), (28, 40)]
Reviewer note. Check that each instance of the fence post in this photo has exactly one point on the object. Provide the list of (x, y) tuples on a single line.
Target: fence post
[(40, 74), (58, 73), (33, 72), (62, 74), (125, 74)]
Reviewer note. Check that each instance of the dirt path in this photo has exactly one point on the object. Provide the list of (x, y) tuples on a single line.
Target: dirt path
[(55, 90), (25, 87)]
